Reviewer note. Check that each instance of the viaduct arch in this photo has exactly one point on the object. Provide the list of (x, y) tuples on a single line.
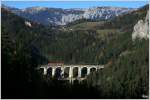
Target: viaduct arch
[(69, 72)]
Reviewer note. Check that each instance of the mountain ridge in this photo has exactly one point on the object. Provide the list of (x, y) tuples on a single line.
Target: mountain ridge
[(59, 16)]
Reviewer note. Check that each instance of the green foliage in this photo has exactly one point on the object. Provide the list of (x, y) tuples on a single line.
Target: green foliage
[(20, 57), (19, 60), (127, 77), (31, 37)]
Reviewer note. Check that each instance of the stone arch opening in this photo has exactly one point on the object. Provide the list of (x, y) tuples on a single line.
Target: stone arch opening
[(92, 70), (66, 72), (83, 72), (75, 72), (49, 72), (58, 72), (41, 70), (75, 81)]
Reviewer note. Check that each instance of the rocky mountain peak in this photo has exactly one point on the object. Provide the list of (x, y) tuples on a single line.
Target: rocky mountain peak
[(34, 9), (141, 29), (58, 16), (38, 8)]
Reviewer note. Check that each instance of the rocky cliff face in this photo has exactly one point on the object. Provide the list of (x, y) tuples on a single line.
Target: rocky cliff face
[(141, 29), (60, 16)]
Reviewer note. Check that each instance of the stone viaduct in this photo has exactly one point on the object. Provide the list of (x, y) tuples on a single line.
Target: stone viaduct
[(68, 72)]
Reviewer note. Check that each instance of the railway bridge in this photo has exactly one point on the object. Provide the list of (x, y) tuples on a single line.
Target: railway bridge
[(68, 72)]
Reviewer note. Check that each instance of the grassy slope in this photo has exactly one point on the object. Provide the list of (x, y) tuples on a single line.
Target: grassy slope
[(85, 25)]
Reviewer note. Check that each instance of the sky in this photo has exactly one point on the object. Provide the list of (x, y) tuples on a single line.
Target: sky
[(74, 4)]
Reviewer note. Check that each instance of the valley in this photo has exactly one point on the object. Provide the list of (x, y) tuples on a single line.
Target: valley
[(29, 41)]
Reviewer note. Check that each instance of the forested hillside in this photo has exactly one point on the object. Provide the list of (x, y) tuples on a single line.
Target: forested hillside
[(82, 43), (34, 37), (23, 48), (127, 74), (20, 56)]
